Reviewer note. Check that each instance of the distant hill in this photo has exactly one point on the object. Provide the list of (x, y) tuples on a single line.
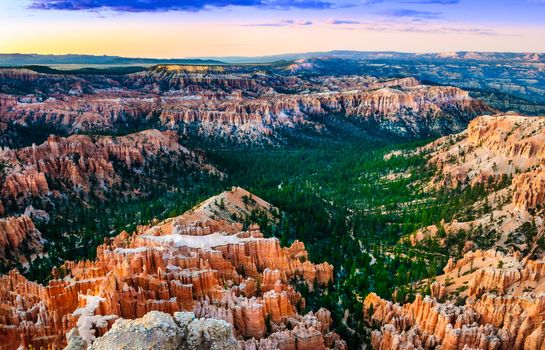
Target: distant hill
[(90, 60), (76, 61), (389, 55)]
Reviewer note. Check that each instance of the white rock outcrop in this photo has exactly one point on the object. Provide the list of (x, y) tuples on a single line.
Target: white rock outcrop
[(159, 330)]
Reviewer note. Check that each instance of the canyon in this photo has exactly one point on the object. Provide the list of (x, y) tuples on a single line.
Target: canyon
[(233, 103), (38, 181), (236, 272), (186, 263), (80, 165)]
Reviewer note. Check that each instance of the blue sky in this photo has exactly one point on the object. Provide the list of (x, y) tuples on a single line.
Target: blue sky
[(168, 28)]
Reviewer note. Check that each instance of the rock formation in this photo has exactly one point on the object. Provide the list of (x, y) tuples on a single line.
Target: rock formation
[(80, 164), (161, 330), (506, 155), (239, 105), (490, 147), (504, 307), (19, 238), (196, 262), (487, 299)]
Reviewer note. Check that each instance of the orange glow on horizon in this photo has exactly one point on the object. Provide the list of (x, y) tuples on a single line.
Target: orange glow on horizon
[(169, 40)]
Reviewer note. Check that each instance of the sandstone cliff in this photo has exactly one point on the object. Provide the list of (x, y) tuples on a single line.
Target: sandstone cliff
[(19, 239), (238, 105), (487, 299), (505, 154), (502, 307), (197, 262), (79, 165)]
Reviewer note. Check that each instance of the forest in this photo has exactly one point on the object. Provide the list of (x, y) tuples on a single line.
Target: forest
[(350, 203), (349, 200)]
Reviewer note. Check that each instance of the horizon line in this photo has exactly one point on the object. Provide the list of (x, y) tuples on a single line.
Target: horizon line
[(269, 55)]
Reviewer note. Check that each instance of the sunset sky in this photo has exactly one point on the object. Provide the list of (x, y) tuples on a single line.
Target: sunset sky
[(197, 28)]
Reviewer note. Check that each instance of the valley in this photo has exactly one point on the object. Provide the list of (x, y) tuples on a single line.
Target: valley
[(325, 199)]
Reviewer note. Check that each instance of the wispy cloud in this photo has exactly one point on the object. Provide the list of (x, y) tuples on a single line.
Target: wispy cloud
[(172, 5), (281, 23), (420, 2), (405, 24), (431, 28), (341, 21), (436, 2), (410, 13)]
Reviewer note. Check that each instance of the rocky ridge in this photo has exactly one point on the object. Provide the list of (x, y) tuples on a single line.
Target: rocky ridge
[(502, 308), (181, 264), (19, 239), (80, 165), (486, 299), (506, 155), (239, 106)]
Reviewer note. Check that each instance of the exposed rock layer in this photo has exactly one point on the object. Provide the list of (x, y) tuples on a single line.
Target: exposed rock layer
[(19, 238), (504, 308), (240, 106), (80, 165), (504, 154), (179, 264)]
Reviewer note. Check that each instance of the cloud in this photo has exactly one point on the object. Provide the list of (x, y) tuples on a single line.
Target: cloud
[(172, 5), (451, 30), (419, 2), (408, 27), (409, 13), (282, 23), (341, 21), (433, 2)]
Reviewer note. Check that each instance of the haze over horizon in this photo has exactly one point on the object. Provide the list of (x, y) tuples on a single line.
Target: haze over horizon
[(215, 28)]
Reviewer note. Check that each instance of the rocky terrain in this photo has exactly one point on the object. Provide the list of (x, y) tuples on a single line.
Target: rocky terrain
[(19, 239), (84, 157), (509, 81), (486, 299), (215, 102), (499, 305), (505, 155), (238, 284), (39, 180), (80, 165)]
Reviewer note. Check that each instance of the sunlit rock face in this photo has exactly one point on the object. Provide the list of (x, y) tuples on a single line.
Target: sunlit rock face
[(490, 147), (504, 155), (80, 165), (232, 104), (18, 238), (197, 262), (504, 307), (486, 299)]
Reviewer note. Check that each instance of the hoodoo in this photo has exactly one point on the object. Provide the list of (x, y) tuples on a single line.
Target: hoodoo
[(197, 262)]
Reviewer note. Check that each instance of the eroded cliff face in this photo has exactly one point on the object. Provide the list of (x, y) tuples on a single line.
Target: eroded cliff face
[(235, 105), (503, 307), (487, 299), (490, 147), (505, 154), (19, 239), (188, 263), (80, 165)]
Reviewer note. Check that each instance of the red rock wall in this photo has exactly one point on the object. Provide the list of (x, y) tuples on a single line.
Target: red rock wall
[(17, 233), (244, 282)]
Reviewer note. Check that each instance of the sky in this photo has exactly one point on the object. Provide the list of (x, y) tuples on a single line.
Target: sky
[(205, 28)]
